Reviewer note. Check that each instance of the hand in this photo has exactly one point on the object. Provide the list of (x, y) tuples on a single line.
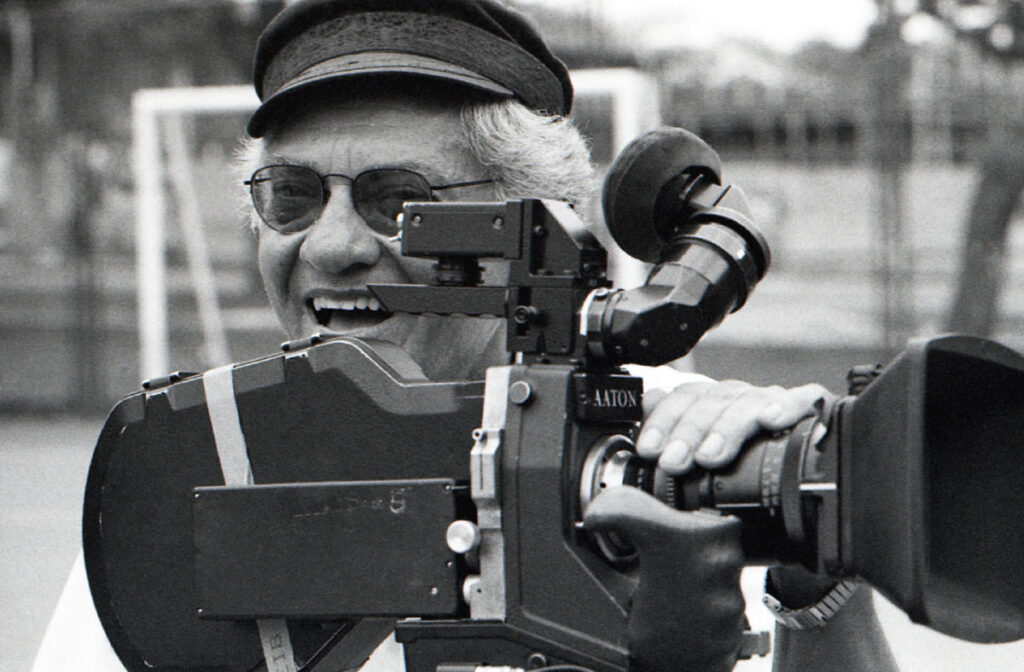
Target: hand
[(706, 423), (687, 612)]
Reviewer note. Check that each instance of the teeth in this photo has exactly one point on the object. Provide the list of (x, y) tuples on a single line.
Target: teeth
[(361, 302)]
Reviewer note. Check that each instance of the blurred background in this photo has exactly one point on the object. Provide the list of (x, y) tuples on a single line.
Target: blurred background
[(880, 142)]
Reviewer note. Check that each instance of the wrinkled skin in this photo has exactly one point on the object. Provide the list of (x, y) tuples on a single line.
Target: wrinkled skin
[(339, 255)]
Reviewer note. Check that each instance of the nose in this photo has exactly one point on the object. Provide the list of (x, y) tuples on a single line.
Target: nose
[(339, 239)]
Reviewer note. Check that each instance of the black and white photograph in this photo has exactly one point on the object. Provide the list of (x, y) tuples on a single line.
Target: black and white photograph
[(511, 336)]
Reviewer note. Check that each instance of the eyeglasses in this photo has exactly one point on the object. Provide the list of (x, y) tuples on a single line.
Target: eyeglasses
[(290, 198)]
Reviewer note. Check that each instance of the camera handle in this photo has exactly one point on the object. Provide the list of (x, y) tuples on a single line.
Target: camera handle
[(669, 624)]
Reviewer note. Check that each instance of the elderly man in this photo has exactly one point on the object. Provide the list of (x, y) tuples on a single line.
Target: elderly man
[(366, 105)]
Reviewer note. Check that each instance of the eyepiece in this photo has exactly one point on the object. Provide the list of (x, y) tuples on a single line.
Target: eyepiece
[(664, 204)]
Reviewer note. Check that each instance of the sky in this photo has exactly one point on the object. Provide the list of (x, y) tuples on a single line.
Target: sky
[(782, 24)]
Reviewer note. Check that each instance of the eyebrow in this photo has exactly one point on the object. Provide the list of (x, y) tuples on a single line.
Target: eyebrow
[(427, 170), (281, 159)]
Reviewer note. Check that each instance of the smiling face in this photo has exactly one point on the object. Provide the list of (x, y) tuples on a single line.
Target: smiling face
[(316, 278)]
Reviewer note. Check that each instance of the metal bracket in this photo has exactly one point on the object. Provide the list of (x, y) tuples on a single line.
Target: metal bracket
[(486, 592)]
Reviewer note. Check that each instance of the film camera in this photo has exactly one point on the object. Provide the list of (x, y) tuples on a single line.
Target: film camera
[(308, 503)]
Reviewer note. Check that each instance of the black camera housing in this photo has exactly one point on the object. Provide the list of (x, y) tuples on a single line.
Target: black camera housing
[(453, 511)]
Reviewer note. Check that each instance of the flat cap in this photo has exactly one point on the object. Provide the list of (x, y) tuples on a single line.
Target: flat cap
[(481, 44)]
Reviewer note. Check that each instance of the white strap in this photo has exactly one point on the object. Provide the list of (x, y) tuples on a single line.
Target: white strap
[(277, 645), (227, 428), (234, 464)]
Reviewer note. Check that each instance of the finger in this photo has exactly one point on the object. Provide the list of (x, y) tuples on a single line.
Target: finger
[(770, 408), (676, 457), (662, 410), (694, 427), (652, 398), (792, 406), (736, 424)]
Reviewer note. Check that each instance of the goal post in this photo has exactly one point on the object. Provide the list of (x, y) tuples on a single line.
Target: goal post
[(149, 106), (633, 109)]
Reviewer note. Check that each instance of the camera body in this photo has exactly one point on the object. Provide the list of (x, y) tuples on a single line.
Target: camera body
[(330, 494), (364, 475)]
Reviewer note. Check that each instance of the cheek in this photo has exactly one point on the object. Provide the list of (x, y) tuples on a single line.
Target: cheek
[(275, 257), (419, 271)]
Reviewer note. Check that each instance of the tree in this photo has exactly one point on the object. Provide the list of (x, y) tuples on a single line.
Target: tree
[(68, 69), (996, 27)]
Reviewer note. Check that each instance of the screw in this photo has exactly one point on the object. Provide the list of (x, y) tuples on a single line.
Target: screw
[(525, 314)]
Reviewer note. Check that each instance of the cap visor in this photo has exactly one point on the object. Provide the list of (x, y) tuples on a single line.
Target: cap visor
[(372, 63)]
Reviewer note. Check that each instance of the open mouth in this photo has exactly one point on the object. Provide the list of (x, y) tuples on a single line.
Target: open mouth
[(342, 314)]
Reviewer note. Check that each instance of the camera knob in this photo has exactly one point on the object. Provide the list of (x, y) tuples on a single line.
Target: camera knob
[(462, 536)]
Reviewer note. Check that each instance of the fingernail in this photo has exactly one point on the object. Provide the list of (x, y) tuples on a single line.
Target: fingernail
[(712, 447), (648, 441), (676, 455)]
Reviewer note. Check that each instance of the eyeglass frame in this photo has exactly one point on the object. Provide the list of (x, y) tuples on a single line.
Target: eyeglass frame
[(325, 191)]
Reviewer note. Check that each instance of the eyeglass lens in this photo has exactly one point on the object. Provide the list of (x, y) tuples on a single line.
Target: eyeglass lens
[(290, 198)]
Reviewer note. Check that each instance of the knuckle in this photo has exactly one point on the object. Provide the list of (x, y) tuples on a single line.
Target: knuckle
[(688, 431), (687, 389), (766, 393), (811, 391), (700, 415), (735, 387)]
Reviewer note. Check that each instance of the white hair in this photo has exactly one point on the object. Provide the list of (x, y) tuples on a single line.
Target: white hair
[(528, 154)]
